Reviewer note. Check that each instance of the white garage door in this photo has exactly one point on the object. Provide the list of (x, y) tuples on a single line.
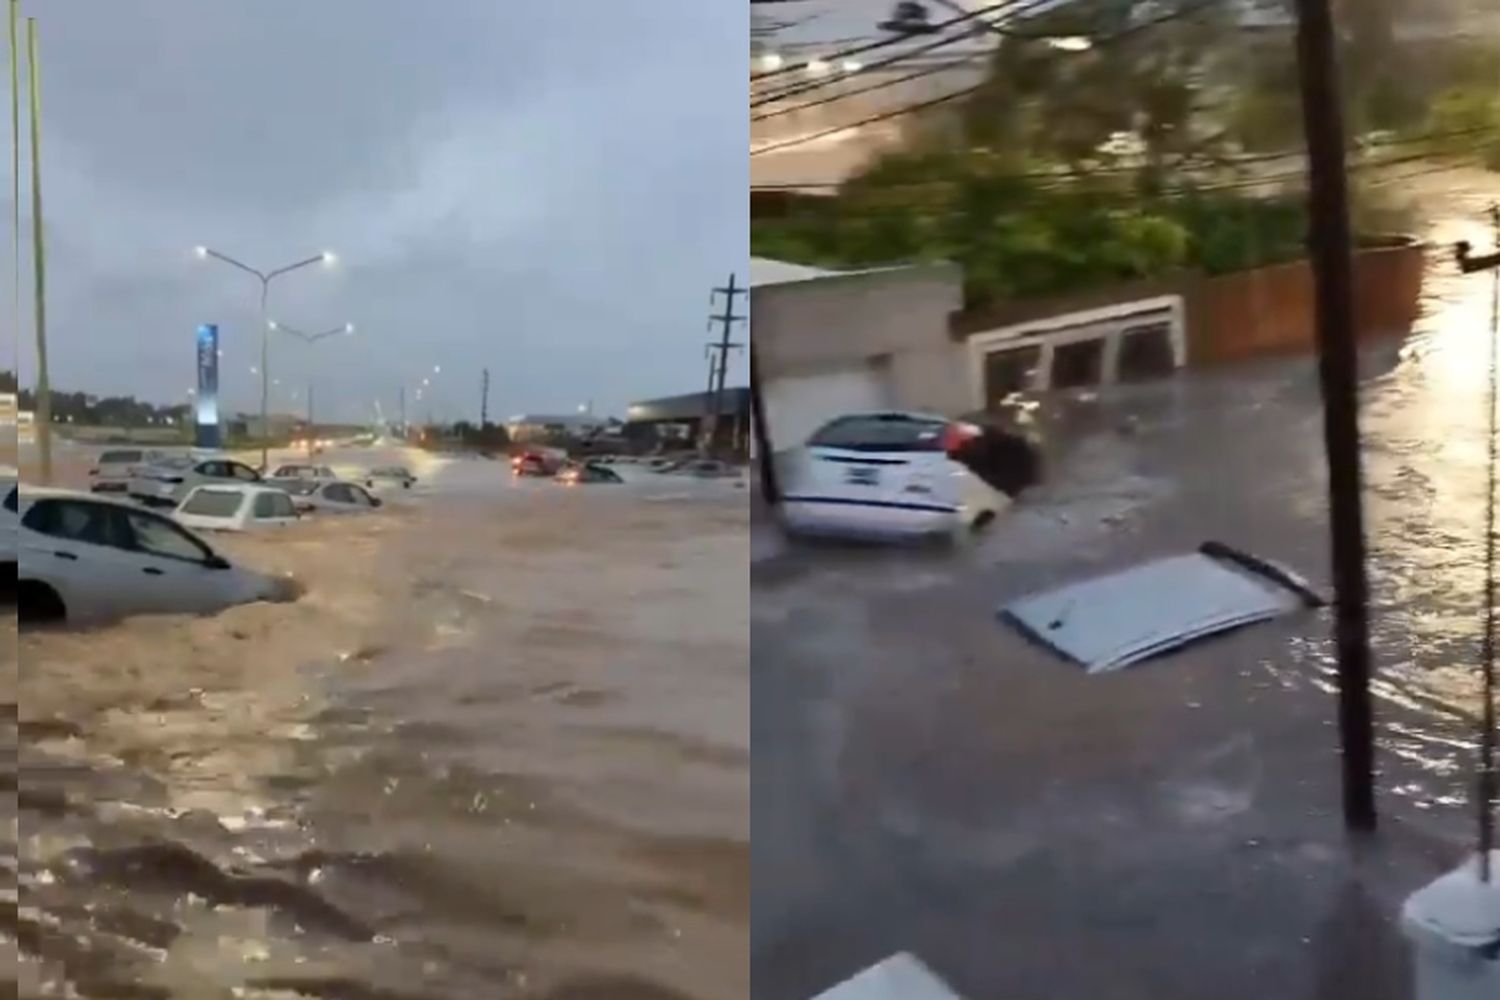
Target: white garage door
[(795, 407)]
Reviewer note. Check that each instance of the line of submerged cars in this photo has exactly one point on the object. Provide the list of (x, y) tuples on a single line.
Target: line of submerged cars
[(550, 464), (131, 544)]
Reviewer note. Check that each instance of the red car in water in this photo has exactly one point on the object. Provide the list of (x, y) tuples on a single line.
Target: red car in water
[(534, 463)]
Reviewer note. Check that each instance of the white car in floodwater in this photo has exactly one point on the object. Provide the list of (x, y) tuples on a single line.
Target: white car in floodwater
[(87, 558), (322, 497), (236, 507), (295, 472), (114, 468), (168, 481), (884, 475)]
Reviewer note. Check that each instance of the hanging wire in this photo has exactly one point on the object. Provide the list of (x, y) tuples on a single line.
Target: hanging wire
[(1487, 777)]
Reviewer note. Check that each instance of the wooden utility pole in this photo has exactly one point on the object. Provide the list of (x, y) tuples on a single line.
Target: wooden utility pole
[(1332, 249), (484, 399), (720, 351), (769, 487), (1486, 782)]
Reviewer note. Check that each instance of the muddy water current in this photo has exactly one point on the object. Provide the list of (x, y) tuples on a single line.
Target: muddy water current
[(499, 749)]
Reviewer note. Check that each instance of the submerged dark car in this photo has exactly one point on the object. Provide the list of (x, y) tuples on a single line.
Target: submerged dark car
[(590, 472)]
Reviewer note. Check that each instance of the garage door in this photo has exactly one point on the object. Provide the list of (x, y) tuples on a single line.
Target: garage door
[(795, 407)]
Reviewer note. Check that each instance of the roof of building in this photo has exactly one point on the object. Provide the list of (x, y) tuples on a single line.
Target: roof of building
[(765, 271), (692, 406), (558, 420)]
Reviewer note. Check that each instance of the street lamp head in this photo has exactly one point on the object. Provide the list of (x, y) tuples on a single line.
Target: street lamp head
[(271, 325), (330, 258), (200, 251), (437, 369), (349, 328), (1071, 43)]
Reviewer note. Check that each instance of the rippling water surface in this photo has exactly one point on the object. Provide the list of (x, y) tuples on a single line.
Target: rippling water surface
[(499, 749)]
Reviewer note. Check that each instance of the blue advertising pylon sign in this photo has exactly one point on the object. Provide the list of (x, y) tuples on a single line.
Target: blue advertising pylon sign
[(206, 419)]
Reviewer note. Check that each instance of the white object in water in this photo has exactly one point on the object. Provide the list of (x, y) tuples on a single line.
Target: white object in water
[(1117, 620), (900, 977), (1454, 926)]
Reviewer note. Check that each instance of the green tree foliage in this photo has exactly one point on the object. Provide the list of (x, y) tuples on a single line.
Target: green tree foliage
[(1021, 233)]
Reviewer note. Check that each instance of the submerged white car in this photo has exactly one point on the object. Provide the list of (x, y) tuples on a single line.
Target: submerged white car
[(313, 496), (169, 481), (115, 467), (85, 558), (884, 475), (233, 507)]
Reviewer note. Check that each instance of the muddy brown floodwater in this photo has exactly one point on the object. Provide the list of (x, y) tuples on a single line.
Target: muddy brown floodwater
[(499, 749)]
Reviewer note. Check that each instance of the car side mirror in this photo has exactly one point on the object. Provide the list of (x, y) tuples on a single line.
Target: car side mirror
[(216, 562)]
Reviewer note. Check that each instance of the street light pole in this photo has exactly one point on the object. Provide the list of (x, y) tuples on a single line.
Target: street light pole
[(347, 330), (265, 278)]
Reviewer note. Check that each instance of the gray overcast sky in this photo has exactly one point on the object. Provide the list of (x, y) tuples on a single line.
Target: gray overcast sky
[(549, 189)]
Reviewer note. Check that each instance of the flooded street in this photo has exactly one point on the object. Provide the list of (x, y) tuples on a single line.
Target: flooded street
[(927, 780), (500, 748)]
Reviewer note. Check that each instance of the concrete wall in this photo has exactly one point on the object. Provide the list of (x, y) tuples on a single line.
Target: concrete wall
[(895, 318)]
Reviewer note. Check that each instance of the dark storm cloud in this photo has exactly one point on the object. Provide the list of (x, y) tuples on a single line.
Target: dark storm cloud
[(548, 189)]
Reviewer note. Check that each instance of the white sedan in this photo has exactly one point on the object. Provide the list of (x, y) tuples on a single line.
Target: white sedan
[(322, 497), (884, 475), (86, 558), (236, 507), (170, 480)]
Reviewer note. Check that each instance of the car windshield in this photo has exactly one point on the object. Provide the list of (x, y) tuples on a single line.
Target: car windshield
[(119, 457), (297, 489), (175, 463), (881, 432), (213, 503)]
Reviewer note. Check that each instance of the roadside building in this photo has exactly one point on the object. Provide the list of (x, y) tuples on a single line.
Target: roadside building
[(682, 421), (541, 428), (832, 342)]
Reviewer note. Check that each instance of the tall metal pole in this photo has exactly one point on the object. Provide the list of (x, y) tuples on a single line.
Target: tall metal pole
[(39, 264), (265, 376), (403, 412), (15, 162), (311, 433), (1333, 278)]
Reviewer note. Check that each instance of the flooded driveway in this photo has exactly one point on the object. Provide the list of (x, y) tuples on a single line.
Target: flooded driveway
[(925, 780), (499, 749)]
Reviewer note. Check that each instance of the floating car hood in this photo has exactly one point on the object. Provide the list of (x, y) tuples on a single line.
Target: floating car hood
[(900, 977), (1117, 620)]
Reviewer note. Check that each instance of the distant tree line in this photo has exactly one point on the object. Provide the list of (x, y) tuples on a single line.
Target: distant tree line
[(97, 411)]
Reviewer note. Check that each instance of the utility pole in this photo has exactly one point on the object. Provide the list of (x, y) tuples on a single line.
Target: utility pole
[(39, 265), (1485, 786), (769, 487), (311, 431), (484, 400), (1333, 277), (721, 349), (402, 397)]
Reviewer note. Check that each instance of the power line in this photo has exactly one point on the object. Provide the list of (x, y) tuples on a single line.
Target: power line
[(1181, 12), (878, 85), (803, 88), (884, 42), (1228, 163)]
